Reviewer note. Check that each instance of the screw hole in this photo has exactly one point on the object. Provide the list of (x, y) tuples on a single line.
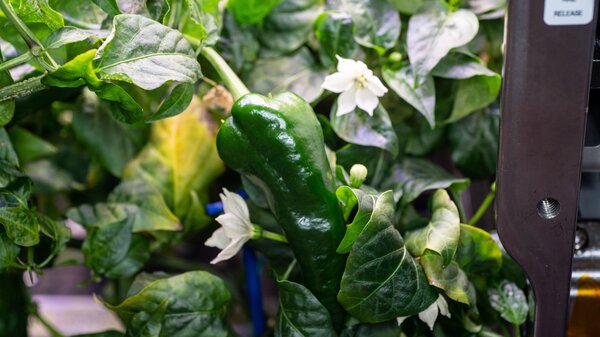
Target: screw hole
[(548, 208)]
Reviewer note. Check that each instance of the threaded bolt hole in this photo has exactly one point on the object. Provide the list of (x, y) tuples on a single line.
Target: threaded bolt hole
[(548, 208)]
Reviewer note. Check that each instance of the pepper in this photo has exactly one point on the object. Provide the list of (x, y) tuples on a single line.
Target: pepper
[(277, 144)]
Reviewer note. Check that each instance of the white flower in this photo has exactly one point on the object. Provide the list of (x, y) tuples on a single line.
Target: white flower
[(358, 85), (236, 227), (429, 315)]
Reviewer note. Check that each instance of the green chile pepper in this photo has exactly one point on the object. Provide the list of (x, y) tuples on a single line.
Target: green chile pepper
[(277, 143)]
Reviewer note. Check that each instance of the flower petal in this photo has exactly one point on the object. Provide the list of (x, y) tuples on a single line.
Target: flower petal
[(235, 204), (346, 102), (366, 100), (443, 306), (338, 82), (401, 319), (229, 251), (374, 84), (234, 226), (429, 315), (218, 239), (348, 65)]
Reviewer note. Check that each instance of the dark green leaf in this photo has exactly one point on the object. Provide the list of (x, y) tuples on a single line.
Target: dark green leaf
[(21, 225), (137, 255), (510, 302), (478, 254), (14, 182), (109, 6), (155, 54), (459, 65), (358, 127), (297, 73), (377, 23), (474, 93), (374, 159), (420, 175), (85, 15), (175, 306), (382, 280), (134, 199), (386, 329), (7, 108), (57, 231), (201, 21), (422, 139), (29, 146), (451, 278), (300, 313), (474, 143), (334, 31), (67, 35), (349, 199), (49, 177), (111, 142), (177, 101), (433, 31), (420, 96), (107, 244), (288, 25), (142, 280), (7, 151), (38, 11), (442, 234), (238, 44), (8, 251), (251, 11)]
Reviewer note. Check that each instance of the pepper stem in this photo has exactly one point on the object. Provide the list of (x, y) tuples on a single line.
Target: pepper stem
[(484, 205), (232, 81), (23, 58), (274, 236)]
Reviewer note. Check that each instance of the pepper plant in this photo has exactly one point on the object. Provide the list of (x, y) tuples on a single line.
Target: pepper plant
[(354, 128)]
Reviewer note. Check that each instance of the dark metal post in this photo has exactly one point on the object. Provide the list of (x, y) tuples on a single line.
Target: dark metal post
[(544, 104)]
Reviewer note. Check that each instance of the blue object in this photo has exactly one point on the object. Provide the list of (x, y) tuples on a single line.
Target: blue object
[(252, 271), (216, 208)]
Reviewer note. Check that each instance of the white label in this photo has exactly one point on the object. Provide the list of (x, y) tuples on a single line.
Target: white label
[(568, 12)]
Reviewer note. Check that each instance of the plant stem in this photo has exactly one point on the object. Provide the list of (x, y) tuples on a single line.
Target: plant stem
[(23, 58), (232, 81), (273, 236), (22, 88), (484, 205), (289, 270), (47, 325), (32, 41), (21, 27), (517, 330)]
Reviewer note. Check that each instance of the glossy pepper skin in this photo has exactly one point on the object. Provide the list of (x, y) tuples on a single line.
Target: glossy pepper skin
[(277, 143)]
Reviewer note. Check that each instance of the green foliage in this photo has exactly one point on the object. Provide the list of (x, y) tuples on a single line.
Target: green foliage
[(351, 198), (442, 234), (299, 69), (510, 301), (358, 127), (174, 306), (334, 31), (122, 141), (253, 11), (300, 313), (382, 281)]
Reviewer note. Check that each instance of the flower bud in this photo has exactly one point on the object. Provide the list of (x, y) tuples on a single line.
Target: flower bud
[(358, 174)]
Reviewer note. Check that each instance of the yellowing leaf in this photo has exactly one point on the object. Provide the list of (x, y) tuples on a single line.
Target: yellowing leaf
[(180, 158)]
